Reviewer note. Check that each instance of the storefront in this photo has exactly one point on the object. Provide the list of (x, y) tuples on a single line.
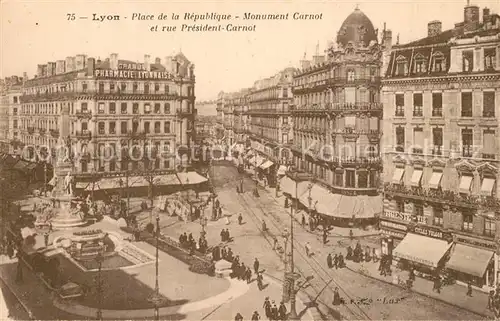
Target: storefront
[(473, 260), (423, 249), (268, 169), (392, 234)]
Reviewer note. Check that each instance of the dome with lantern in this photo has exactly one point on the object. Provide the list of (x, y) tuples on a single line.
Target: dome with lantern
[(358, 29)]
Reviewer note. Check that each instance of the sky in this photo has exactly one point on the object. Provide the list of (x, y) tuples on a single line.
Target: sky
[(36, 32)]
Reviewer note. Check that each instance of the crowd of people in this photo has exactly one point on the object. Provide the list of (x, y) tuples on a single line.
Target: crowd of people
[(189, 243)]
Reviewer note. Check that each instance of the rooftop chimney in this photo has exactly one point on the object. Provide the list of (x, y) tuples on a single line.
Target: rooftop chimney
[(486, 14), (25, 76), (434, 28), (471, 17), (39, 71), (113, 62), (60, 68), (90, 66), (147, 62), (51, 69), (158, 61), (387, 37)]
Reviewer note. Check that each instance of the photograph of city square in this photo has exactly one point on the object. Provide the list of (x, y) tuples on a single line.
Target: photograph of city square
[(314, 161)]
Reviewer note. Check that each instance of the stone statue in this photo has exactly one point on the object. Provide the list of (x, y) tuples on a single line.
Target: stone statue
[(68, 184)]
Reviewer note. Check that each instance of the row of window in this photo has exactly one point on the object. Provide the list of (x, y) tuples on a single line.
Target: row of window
[(437, 104), (488, 181), (439, 63), (274, 93), (489, 228), (351, 74), (346, 178), (487, 148), (148, 108), (134, 165), (124, 129)]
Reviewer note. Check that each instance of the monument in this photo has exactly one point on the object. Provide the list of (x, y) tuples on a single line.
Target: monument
[(67, 213)]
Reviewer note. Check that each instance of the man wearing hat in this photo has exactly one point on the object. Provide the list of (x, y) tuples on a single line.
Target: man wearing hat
[(282, 311), (255, 316), (267, 307), (274, 311)]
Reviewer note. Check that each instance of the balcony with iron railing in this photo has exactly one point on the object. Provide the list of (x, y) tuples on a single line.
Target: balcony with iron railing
[(331, 107), (446, 197), (83, 113), (335, 81), (83, 134)]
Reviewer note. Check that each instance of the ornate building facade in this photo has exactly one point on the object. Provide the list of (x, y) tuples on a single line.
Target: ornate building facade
[(337, 124), (115, 115), (441, 144), (10, 103), (270, 124)]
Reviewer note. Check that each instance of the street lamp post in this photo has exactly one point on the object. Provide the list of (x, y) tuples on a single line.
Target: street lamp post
[(155, 297), (291, 276), (99, 258)]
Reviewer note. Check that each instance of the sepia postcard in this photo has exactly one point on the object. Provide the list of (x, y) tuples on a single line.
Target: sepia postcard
[(250, 160)]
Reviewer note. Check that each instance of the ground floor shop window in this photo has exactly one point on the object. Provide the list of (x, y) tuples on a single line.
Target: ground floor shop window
[(438, 216), (467, 221)]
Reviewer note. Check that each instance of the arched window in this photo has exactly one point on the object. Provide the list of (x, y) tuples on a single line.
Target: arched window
[(420, 65), (401, 66), (467, 61), (439, 62)]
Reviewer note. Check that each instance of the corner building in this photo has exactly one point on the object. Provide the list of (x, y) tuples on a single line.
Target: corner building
[(337, 117), (117, 115), (441, 177)]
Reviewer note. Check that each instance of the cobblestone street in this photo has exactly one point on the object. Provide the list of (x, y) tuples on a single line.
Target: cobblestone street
[(250, 242)]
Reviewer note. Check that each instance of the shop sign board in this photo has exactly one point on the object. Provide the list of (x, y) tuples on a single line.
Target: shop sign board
[(393, 225)]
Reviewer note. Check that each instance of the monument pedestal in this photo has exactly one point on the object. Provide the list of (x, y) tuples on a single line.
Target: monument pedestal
[(66, 216)]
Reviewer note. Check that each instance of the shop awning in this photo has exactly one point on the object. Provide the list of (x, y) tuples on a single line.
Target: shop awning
[(421, 249), (435, 180), (266, 164), (398, 175), (290, 187), (470, 260), (487, 186), (465, 183), (282, 170), (191, 178), (416, 177), (348, 207)]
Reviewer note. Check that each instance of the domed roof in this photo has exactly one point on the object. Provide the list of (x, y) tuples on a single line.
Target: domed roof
[(357, 28)]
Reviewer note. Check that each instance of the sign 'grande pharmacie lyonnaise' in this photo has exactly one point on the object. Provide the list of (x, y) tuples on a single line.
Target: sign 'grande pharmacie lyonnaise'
[(131, 71)]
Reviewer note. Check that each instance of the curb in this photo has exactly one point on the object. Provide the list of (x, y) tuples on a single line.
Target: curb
[(489, 317)]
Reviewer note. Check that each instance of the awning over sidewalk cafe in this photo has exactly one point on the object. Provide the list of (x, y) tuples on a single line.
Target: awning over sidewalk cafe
[(290, 187), (266, 164), (421, 249), (470, 260), (184, 178), (342, 206)]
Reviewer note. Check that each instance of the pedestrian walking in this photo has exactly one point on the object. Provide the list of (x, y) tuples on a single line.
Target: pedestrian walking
[(248, 275), (264, 226), (282, 311), (274, 312), (341, 263), (240, 219), (303, 220), (308, 249), (329, 261), (19, 268), (228, 235), (46, 238), (336, 261), (351, 235), (238, 317), (256, 264), (286, 202), (260, 281), (267, 307), (275, 242), (469, 289), (255, 316), (325, 236), (336, 297), (491, 295)]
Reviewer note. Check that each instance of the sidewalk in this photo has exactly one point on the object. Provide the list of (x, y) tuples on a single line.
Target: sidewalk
[(451, 294)]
